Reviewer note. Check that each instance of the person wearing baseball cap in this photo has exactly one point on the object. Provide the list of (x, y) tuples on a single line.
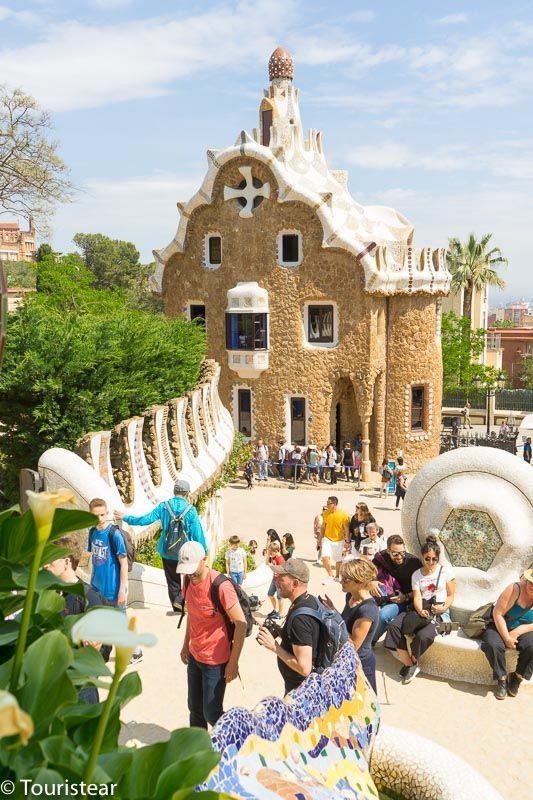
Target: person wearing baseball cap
[(300, 635), (209, 651), (511, 627), (173, 514)]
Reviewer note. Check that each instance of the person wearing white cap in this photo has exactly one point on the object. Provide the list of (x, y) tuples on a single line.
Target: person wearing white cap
[(175, 513), (214, 636)]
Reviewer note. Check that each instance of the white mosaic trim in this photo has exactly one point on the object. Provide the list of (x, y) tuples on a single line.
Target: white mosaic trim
[(418, 769), (424, 434)]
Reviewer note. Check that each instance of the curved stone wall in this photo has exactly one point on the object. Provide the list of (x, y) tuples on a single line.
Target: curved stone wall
[(134, 467)]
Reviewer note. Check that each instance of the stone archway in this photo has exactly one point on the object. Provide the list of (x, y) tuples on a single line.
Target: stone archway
[(344, 420)]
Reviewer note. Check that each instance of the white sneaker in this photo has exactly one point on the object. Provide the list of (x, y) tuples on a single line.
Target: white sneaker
[(327, 580)]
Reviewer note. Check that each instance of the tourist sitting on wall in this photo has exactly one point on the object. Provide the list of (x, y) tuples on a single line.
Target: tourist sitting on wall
[(373, 542), (393, 588), (361, 613), (358, 523), (433, 594), (166, 512), (512, 627)]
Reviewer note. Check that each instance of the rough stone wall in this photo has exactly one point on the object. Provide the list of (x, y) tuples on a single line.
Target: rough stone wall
[(149, 443), (414, 357), (249, 253)]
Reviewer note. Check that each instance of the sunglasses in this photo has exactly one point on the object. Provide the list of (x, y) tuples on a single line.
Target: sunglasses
[(430, 558), (398, 555)]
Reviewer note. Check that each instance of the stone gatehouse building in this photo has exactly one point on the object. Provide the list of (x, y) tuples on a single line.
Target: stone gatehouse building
[(324, 317)]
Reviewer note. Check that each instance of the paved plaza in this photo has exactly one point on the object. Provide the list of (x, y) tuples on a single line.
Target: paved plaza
[(491, 736)]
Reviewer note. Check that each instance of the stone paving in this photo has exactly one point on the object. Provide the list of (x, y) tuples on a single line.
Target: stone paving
[(493, 736)]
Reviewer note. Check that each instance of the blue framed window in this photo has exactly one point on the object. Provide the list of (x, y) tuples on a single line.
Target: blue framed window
[(246, 332)]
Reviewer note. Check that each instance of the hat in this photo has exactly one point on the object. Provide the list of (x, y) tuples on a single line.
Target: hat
[(182, 487), (189, 557), (294, 567), (528, 575)]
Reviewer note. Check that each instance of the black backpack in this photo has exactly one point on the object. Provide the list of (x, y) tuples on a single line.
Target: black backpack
[(244, 602), (333, 632), (128, 541), (176, 534)]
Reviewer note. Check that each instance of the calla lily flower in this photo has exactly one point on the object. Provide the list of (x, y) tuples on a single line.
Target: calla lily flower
[(110, 626), (13, 720), (43, 506)]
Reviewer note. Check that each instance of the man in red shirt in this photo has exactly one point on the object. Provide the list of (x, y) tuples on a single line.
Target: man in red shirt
[(211, 656)]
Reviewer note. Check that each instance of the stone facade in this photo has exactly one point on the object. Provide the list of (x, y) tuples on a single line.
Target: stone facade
[(382, 294), (17, 245)]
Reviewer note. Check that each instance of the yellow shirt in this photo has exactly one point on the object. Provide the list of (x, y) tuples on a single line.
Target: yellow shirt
[(335, 524)]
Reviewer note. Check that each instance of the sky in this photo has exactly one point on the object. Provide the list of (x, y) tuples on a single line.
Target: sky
[(427, 104)]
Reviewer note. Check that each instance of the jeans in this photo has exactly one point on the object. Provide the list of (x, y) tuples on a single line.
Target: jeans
[(262, 470), (387, 614), (238, 577), (205, 696), (494, 648)]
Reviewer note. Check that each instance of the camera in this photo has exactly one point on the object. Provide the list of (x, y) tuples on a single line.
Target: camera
[(272, 627)]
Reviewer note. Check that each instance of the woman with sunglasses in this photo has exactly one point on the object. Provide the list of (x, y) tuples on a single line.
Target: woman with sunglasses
[(358, 524), (433, 594), (361, 613)]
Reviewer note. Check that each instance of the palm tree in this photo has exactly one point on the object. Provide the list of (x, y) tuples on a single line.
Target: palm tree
[(473, 267)]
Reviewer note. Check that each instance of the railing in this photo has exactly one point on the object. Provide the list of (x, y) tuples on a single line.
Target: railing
[(451, 441), (458, 399), (506, 400)]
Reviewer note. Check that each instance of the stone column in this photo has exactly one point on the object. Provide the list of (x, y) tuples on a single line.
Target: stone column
[(379, 419), (365, 466)]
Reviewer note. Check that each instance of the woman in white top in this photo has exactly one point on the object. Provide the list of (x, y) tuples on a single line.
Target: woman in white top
[(433, 594)]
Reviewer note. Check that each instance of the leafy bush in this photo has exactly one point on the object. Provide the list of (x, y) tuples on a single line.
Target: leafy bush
[(146, 553), (77, 359), (240, 453), (47, 732), (219, 562)]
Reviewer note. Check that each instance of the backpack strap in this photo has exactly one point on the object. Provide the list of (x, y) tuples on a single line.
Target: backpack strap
[(112, 543), (173, 517), (215, 599), (438, 579)]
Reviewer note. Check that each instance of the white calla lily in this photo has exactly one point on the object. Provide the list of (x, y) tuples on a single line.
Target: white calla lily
[(13, 720), (43, 506), (109, 626)]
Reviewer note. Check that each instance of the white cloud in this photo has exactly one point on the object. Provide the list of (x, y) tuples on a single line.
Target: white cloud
[(361, 16), (23, 17), (76, 65), (452, 19), (139, 209)]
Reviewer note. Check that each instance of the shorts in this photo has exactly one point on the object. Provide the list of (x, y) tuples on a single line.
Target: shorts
[(332, 550), (273, 590)]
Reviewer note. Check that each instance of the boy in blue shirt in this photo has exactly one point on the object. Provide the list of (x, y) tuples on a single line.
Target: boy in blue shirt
[(179, 505)]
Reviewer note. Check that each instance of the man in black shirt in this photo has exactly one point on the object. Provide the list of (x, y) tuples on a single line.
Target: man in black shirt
[(395, 567), (299, 637)]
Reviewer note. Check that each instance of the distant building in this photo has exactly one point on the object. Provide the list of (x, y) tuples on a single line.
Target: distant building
[(17, 245), (515, 345), (519, 313)]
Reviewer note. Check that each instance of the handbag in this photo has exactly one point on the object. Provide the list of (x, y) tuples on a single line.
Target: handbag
[(478, 621), (412, 622)]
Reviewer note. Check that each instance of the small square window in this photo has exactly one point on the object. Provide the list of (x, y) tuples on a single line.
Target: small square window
[(197, 313), (417, 408), (320, 324), (290, 248), (215, 250)]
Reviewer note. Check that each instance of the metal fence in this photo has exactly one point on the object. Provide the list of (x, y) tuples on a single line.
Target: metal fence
[(449, 441), (506, 400)]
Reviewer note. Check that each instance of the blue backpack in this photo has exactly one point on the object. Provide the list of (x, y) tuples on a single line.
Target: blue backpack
[(333, 632)]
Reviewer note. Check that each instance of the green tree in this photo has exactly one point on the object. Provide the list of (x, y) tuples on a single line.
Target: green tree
[(42, 251), (526, 373), (505, 323), (20, 273), (77, 359), (32, 176), (473, 267), (115, 264), (461, 348)]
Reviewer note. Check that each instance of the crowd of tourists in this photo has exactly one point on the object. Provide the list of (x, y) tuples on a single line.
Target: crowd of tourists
[(388, 592)]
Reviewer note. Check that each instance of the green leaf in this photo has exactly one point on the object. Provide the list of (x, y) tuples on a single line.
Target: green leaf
[(128, 688), (88, 662), (150, 763), (188, 772), (9, 632), (47, 686), (18, 539), (59, 752), (49, 603), (187, 794), (67, 520), (116, 763)]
